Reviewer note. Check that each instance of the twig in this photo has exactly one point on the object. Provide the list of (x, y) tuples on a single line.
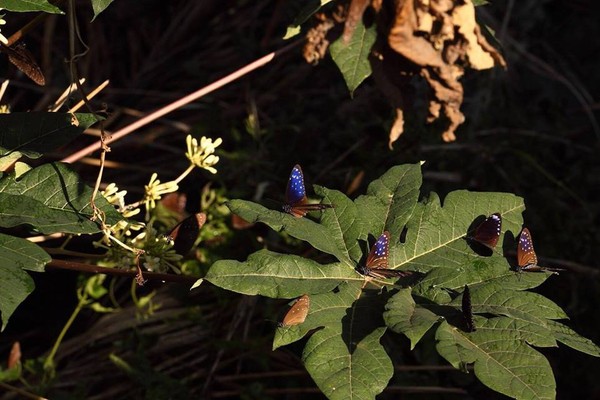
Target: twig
[(95, 269), (21, 392), (183, 101)]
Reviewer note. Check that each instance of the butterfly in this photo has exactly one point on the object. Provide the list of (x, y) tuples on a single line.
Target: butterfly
[(297, 313), (488, 232), (296, 202), (526, 257), (21, 58), (185, 233), (376, 265), (467, 310)]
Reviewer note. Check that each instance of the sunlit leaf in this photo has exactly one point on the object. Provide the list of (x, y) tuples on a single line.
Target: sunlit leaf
[(352, 58), (51, 198)]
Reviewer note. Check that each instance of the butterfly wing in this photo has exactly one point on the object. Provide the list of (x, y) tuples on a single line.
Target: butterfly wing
[(296, 202), (384, 273), (488, 232), (21, 58), (467, 310), (297, 313), (378, 256), (185, 233), (526, 257), (295, 192)]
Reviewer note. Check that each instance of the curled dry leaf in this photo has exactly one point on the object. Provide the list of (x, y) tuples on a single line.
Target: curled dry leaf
[(440, 38), (316, 39)]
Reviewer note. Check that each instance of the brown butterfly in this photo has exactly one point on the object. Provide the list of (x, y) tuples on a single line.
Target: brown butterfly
[(297, 313), (21, 58), (185, 233), (526, 258)]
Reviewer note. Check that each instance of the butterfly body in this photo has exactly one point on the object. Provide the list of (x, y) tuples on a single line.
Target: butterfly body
[(467, 310), (297, 312), (488, 232), (376, 265), (296, 202), (526, 258)]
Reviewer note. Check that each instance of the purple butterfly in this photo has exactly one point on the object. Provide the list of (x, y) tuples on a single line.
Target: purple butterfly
[(377, 260), (296, 202), (488, 232)]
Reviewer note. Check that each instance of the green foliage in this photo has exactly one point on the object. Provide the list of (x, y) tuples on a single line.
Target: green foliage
[(309, 9), (16, 255), (51, 198), (35, 133), (99, 5), (348, 315), (30, 5), (353, 58)]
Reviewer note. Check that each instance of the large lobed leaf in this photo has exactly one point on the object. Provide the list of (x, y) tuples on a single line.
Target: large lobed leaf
[(51, 198), (347, 319)]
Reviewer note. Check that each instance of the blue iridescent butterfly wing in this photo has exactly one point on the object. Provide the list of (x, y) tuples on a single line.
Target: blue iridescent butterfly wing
[(376, 265), (378, 256), (295, 192), (296, 202)]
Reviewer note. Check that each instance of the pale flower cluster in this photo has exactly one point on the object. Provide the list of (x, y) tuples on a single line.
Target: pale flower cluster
[(3, 39), (154, 190), (201, 155)]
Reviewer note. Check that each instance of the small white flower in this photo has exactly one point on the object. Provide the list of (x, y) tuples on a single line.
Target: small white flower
[(155, 190), (202, 155)]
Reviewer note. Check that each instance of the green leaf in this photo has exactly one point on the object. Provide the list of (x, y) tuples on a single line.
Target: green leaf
[(436, 243), (22, 254), (502, 360), (353, 58), (390, 201), (403, 315), (99, 5), (301, 228), (345, 358), (343, 222), (35, 133), (15, 256), (347, 318), (278, 275), (526, 306), (311, 7), (30, 5), (567, 336), (51, 198)]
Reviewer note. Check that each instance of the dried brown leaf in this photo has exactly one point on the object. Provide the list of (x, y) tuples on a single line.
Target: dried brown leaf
[(442, 38)]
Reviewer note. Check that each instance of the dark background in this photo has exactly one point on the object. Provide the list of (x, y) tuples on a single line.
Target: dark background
[(531, 130)]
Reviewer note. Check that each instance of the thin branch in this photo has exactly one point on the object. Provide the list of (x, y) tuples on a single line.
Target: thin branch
[(182, 102), (95, 269)]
